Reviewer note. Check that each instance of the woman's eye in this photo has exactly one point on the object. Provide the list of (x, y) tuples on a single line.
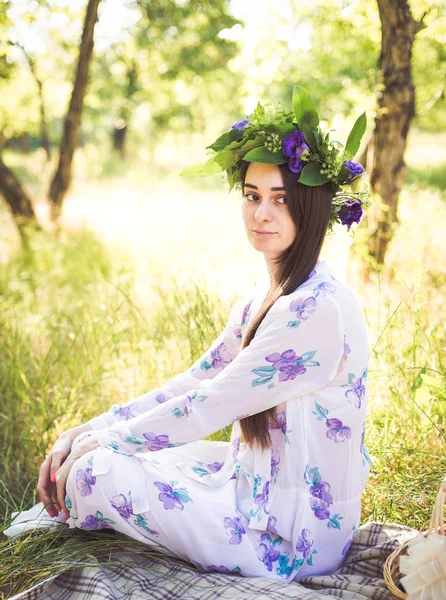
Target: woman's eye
[(248, 196), (283, 198)]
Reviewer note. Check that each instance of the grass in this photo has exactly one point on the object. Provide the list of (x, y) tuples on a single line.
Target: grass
[(103, 313)]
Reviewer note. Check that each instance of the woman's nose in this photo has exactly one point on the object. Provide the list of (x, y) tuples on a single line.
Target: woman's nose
[(263, 211)]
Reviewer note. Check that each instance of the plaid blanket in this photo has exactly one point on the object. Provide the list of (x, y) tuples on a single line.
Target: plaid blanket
[(359, 577)]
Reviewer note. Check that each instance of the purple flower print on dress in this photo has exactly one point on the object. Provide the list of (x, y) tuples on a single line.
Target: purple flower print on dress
[(266, 552), (188, 405), (84, 481), (239, 417), (324, 288), (262, 499), (349, 542), (303, 309), (234, 529), (237, 330), (245, 314), (218, 358), (320, 497), (288, 364), (215, 466), (161, 398), (356, 392), (128, 411), (347, 351), (223, 569), (320, 509), (122, 505), (321, 491), (337, 431), (275, 460), (156, 442), (305, 546), (97, 521), (236, 444), (280, 423), (304, 543), (204, 469), (271, 526), (172, 497)]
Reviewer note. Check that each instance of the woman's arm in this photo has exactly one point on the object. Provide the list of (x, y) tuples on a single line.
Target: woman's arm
[(280, 363), (221, 353)]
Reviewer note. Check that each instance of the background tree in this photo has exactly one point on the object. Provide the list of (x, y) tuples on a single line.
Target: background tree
[(62, 178), (396, 109)]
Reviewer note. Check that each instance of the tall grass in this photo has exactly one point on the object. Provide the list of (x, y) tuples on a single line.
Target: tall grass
[(86, 323)]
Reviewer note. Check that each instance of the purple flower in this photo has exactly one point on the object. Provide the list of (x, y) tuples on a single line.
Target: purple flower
[(219, 569), (275, 460), (236, 444), (362, 442), (156, 442), (356, 393), (304, 309), (271, 526), (215, 466), (304, 543), (320, 509), (351, 212), (336, 431), (324, 288), (279, 422), (237, 331), (161, 398), (170, 497), (295, 164), (245, 314), (346, 548), (84, 481), (234, 529), (122, 505), (188, 405), (126, 412), (266, 553), (217, 356), (294, 144), (321, 491), (291, 371), (286, 358), (355, 168), (240, 124), (262, 499), (96, 521)]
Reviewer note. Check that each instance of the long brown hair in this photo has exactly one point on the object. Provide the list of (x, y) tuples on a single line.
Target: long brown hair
[(310, 210)]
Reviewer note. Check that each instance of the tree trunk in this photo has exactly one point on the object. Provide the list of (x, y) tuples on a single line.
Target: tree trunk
[(396, 108), (17, 199), (119, 136), (62, 178)]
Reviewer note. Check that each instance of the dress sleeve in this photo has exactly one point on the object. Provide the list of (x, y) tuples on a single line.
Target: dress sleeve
[(281, 362), (220, 354)]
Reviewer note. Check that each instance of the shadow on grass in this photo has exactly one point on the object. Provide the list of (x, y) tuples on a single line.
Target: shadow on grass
[(428, 177)]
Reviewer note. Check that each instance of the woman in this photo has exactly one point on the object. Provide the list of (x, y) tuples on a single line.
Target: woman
[(282, 498)]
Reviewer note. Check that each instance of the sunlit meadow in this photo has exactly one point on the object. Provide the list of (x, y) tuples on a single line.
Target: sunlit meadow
[(141, 281)]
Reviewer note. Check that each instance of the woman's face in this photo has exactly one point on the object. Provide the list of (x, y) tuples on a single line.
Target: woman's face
[(265, 209)]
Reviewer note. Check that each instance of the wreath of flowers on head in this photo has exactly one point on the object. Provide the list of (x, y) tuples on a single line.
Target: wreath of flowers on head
[(277, 136)]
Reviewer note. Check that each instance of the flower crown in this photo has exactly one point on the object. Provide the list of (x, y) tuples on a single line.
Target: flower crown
[(274, 136)]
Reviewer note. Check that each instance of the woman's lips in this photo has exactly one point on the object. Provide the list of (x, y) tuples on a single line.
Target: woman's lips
[(263, 233)]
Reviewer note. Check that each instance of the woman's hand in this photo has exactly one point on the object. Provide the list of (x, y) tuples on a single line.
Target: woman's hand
[(46, 485), (84, 446)]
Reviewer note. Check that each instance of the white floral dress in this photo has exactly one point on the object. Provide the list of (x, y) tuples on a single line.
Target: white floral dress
[(284, 513)]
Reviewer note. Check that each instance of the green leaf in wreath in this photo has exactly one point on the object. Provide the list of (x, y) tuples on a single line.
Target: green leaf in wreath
[(225, 139), (355, 136), (262, 155), (311, 175), (305, 108), (311, 136)]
